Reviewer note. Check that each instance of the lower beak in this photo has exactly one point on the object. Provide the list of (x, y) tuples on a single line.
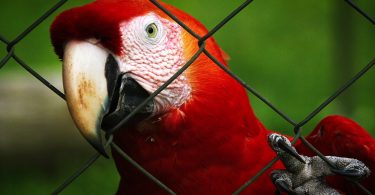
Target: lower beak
[(127, 95), (97, 94)]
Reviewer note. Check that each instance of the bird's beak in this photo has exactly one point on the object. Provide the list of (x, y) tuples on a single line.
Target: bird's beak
[(85, 89), (98, 95)]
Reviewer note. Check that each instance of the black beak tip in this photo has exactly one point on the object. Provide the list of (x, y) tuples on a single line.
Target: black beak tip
[(99, 147), (102, 151)]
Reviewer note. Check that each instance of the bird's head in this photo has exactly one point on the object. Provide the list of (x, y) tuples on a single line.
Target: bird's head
[(116, 53)]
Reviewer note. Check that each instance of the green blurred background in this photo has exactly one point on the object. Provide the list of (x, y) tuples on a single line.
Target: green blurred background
[(295, 53)]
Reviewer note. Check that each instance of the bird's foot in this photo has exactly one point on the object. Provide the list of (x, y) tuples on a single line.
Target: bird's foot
[(305, 175)]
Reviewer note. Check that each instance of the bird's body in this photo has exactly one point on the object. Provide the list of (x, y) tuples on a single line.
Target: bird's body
[(188, 148), (201, 137), (190, 163)]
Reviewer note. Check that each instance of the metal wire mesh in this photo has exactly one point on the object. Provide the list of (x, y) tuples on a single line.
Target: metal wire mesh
[(11, 44)]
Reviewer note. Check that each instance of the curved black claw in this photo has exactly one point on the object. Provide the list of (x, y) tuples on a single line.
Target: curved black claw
[(290, 150)]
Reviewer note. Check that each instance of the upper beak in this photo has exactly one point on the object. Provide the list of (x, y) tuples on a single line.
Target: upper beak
[(85, 89), (97, 93)]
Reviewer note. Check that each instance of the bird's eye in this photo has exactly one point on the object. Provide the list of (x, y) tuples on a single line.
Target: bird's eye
[(152, 30)]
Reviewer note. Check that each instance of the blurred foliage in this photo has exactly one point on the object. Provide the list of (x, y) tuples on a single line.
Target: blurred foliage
[(286, 50), (100, 178)]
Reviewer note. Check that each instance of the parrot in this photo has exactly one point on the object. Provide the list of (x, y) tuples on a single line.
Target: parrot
[(340, 136), (199, 135)]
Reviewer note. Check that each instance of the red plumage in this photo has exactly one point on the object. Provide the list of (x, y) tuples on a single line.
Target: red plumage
[(192, 152), (212, 144)]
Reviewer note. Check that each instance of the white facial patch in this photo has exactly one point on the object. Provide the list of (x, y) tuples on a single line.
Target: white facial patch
[(152, 53)]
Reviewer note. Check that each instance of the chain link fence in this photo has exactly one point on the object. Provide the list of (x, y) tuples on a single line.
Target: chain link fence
[(297, 125)]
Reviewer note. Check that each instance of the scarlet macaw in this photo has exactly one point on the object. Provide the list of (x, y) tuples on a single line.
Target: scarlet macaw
[(198, 136)]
